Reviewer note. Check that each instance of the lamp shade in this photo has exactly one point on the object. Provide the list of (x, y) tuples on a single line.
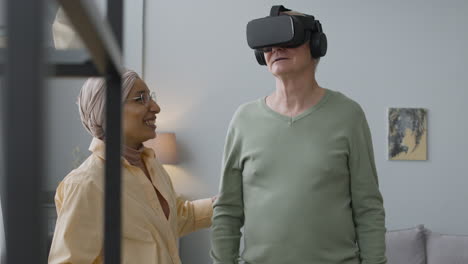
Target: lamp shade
[(165, 147)]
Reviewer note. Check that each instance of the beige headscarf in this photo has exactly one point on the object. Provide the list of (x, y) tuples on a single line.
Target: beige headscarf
[(91, 102)]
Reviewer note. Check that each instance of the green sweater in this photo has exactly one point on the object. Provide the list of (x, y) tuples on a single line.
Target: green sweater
[(304, 188)]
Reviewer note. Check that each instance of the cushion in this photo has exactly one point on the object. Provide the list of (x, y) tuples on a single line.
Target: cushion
[(446, 249), (406, 246)]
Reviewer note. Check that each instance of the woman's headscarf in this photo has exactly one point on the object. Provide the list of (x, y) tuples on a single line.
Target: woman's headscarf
[(91, 102)]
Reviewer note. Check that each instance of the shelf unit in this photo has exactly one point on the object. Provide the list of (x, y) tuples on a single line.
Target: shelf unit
[(24, 65)]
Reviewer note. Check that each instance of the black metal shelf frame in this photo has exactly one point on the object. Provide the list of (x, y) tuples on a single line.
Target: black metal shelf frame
[(24, 66)]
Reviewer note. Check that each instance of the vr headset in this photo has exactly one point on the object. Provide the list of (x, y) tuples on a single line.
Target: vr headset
[(283, 30)]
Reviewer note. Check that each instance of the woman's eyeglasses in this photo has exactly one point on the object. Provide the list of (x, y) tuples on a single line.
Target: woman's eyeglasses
[(144, 98)]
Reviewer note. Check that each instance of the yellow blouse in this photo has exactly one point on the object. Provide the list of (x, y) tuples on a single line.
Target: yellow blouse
[(147, 235)]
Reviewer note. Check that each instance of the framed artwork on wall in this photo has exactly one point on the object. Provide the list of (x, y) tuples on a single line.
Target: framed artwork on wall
[(407, 134)]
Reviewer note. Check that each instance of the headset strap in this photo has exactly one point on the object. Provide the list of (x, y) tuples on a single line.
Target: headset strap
[(310, 23), (277, 9), (319, 26)]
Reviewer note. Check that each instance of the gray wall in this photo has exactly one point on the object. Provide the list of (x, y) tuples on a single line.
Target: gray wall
[(66, 139), (381, 53)]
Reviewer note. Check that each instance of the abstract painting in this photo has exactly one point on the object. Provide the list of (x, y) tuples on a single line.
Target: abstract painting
[(407, 134)]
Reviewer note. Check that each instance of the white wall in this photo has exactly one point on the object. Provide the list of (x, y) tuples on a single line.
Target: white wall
[(381, 53)]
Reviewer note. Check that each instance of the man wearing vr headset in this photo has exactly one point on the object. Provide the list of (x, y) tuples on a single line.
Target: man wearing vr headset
[(298, 170)]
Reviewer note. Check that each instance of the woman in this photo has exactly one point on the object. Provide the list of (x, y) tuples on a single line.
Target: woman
[(152, 216), (299, 174)]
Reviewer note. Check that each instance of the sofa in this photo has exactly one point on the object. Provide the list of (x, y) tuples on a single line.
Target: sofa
[(420, 245)]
